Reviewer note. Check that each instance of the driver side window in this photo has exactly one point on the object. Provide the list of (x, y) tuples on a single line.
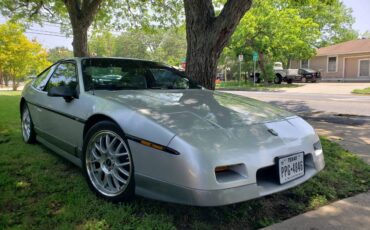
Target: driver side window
[(65, 74)]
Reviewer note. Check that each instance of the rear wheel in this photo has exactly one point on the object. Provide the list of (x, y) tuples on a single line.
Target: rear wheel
[(107, 162), (28, 132), (303, 79), (278, 79), (258, 79), (289, 81)]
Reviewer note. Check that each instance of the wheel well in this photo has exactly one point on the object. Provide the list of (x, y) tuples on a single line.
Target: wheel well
[(95, 119), (279, 75), (21, 104)]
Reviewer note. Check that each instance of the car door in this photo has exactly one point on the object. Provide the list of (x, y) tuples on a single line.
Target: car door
[(60, 122)]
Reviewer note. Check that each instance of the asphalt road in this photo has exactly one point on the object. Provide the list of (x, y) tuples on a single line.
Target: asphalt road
[(308, 103)]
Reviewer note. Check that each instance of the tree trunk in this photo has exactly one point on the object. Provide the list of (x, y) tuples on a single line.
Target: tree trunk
[(261, 64), (15, 84), (81, 14), (80, 41), (207, 35), (202, 60), (1, 78), (6, 79)]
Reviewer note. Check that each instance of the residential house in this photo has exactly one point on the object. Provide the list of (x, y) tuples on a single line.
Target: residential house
[(347, 61)]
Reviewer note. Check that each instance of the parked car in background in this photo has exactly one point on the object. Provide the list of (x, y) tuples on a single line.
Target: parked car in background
[(281, 74), (285, 75), (309, 75), (141, 127)]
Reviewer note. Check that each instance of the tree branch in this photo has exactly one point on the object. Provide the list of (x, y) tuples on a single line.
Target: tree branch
[(232, 9)]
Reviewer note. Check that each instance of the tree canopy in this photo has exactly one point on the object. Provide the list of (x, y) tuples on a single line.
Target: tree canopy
[(77, 16), (282, 30), (19, 57), (57, 53), (157, 44)]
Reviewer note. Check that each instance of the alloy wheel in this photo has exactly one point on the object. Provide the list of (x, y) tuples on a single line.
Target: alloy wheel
[(108, 163), (26, 125)]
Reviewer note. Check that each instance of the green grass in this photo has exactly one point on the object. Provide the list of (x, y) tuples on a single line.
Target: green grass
[(234, 85), (39, 190), (362, 91)]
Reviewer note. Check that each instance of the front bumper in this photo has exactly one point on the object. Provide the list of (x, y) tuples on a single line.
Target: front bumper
[(159, 190)]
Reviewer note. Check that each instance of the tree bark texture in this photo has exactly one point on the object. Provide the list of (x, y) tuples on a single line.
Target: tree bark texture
[(15, 84), (81, 14), (208, 34), (261, 64), (6, 79)]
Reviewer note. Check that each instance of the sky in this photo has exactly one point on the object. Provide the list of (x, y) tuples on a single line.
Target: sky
[(50, 36), (361, 12)]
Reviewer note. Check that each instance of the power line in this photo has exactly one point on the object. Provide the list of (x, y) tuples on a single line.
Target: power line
[(55, 35), (45, 31)]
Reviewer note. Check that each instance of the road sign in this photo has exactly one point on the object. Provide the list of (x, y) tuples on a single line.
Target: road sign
[(255, 56), (241, 57)]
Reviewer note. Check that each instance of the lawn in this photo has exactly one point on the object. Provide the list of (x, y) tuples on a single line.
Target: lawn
[(234, 85), (39, 190), (362, 91)]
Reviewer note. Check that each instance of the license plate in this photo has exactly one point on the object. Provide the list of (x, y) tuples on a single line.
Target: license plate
[(291, 167)]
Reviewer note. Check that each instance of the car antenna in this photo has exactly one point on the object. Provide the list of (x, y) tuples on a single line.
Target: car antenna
[(92, 81)]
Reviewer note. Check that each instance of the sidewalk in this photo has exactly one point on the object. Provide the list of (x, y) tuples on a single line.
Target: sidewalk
[(351, 213)]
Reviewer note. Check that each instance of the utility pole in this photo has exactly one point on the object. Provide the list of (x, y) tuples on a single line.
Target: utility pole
[(241, 58), (255, 59)]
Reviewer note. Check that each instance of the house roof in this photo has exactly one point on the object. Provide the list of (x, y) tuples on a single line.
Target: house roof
[(350, 47)]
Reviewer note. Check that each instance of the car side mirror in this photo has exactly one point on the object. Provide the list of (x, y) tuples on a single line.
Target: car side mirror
[(62, 91)]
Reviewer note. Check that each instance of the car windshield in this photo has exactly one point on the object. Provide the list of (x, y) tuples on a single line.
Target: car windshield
[(121, 74)]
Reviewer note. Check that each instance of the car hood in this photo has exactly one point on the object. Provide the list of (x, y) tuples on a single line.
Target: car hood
[(191, 110)]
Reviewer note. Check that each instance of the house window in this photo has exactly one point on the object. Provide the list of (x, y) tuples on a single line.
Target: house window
[(364, 68), (332, 64), (305, 64)]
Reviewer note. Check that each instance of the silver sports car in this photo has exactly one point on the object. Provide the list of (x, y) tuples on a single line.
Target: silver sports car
[(140, 127)]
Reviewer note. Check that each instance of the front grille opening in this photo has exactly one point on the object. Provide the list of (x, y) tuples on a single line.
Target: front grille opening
[(230, 173), (270, 174)]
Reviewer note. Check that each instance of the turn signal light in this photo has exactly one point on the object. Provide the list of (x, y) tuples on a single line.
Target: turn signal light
[(149, 144)]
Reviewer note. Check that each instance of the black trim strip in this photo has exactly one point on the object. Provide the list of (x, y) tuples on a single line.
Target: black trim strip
[(60, 113), (165, 148)]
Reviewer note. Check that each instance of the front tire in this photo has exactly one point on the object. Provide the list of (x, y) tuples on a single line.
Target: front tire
[(107, 162), (28, 131)]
